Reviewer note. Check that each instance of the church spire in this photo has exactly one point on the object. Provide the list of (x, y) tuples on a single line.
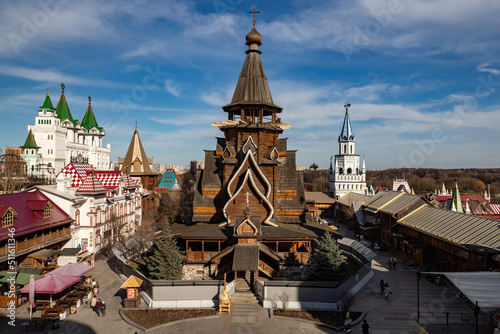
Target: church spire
[(346, 133), (252, 100)]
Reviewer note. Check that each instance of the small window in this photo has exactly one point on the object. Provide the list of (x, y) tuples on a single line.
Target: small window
[(8, 219), (46, 211)]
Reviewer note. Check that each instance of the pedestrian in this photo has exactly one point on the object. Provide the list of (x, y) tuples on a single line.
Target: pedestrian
[(366, 327), (98, 307), (394, 262), (103, 309), (387, 290), (390, 263), (382, 286), (347, 323), (93, 303)]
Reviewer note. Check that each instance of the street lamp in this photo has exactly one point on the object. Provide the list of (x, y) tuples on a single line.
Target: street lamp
[(418, 295)]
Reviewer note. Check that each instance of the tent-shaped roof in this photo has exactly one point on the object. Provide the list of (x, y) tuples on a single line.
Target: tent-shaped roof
[(132, 282), (52, 283), (91, 185), (252, 87), (62, 109), (47, 104), (346, 133), (136, 162), (169, 182), (30, 141), (72, 269), (89, 122)]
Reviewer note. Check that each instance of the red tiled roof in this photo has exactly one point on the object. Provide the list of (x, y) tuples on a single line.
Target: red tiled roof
[(110, 179), (3, 209), (464, 198), (91, 185), (27, 219)]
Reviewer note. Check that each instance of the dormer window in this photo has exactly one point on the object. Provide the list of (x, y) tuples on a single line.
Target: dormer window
[(46, 210), (8, 219)]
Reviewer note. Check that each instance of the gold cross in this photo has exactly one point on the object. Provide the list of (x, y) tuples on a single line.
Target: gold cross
[(347, 105), (254, 12)]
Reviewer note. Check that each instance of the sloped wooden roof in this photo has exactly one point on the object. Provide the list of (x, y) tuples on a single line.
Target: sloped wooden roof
[(135, 153)]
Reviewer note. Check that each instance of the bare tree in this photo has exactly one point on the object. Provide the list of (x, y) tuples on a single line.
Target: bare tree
[(13, 173)]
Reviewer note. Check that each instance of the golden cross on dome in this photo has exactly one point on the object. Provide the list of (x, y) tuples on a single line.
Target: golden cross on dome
[(62, 87), (254, 12), (90, 99)]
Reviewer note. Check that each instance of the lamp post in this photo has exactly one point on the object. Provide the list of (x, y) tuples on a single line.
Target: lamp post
[(418, 295)]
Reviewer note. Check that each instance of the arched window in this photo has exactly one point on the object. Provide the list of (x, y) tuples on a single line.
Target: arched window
[(99, 218), (341, 170), (351, 149), (349, 171)]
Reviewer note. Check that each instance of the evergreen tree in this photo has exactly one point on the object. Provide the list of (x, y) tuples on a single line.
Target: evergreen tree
[(166, 261), (326, 260)]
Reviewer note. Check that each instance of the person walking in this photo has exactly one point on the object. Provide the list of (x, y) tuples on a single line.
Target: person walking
[(103, 309), (98, 307), (365, 327), (347, 323), (390, 263), (382, 286), (394, 262), (387, 290)]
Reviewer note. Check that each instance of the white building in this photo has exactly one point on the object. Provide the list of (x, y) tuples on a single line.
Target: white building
[(347, 175), (62, 139), (102, 203)]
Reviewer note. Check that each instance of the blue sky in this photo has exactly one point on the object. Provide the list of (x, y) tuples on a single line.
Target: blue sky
[(423, 77)]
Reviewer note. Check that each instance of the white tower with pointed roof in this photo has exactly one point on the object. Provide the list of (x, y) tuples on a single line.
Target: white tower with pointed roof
[(347, 176)]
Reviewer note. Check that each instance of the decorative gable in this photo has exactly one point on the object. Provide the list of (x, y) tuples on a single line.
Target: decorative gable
[(7, 215), (246, 227), (249, 145)]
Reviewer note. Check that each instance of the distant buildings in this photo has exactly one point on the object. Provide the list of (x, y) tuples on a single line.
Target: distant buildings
[(57, 139), (103, 204), (346, 175)]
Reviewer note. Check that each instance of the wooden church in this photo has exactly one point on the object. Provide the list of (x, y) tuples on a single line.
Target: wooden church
[(249, 206)]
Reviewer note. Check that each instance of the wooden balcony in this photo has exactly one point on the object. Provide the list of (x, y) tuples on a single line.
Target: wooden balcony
[(34, 243), (195, 256)]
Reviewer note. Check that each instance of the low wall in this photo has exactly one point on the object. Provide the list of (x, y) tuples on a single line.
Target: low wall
[(321, 296), (175, 294)]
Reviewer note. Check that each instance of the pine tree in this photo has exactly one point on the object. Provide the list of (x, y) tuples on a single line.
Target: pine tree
[(327, 260), (166, 261)]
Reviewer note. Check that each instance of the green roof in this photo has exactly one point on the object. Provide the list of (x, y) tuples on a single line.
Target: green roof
[(63, 111), (21, 278), (30, 141), (89, 120), (47, 103)]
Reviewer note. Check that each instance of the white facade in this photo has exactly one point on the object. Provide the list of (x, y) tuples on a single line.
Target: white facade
[(64, 141), (97, 216), (348, 175)]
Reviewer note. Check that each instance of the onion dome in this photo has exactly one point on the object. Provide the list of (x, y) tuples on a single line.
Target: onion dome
[(254, 37), (224, 296), (247, 212)]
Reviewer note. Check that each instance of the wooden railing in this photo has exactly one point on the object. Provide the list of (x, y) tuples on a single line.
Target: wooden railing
[(37, 242), (199, 256), (268, 270)]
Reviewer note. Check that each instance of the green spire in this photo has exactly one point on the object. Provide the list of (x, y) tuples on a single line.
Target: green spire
[(62, 108), (89, 120), (47, 104), (30, 141), (457, 200)]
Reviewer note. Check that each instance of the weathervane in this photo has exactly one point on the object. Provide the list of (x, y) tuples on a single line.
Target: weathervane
[(90, 99), (254, 12), (62, 87), (347, 105)]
